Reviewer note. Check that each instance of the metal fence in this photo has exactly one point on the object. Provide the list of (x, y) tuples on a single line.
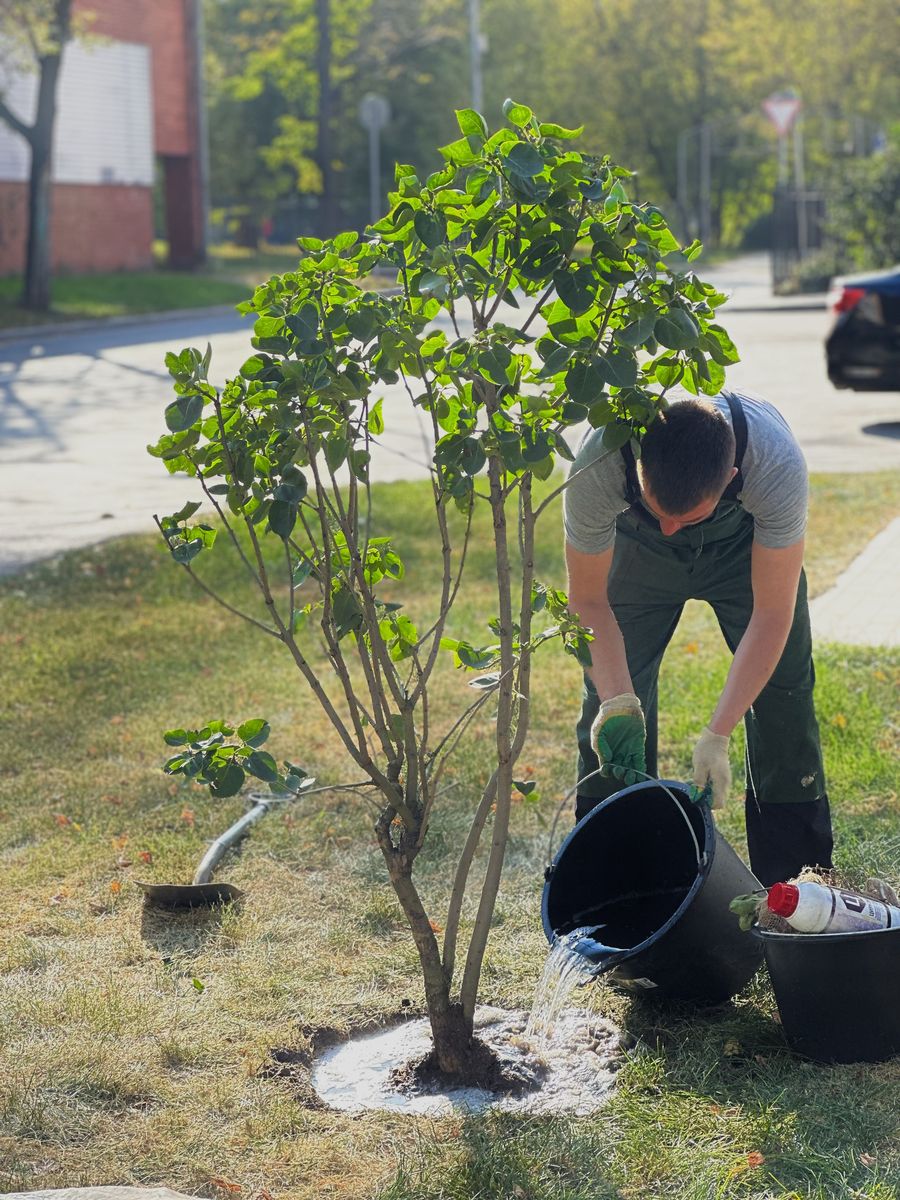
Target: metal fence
[(798, 220)]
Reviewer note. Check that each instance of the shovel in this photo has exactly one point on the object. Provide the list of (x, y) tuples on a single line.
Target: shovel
[(201, 893)]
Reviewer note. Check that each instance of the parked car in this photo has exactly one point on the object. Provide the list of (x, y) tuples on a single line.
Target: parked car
[(863, 347)]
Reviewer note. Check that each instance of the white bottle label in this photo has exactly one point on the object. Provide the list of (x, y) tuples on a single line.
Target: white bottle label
[(860, 912)]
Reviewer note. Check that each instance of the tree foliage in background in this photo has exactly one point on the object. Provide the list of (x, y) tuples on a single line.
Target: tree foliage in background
[(638, 83), (535, 339), (864, 211)]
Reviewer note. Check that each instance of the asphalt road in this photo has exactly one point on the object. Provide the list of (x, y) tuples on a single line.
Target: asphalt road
[(77, 410)]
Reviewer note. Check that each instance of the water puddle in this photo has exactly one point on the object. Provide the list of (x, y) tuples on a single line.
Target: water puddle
[(573, 1073)]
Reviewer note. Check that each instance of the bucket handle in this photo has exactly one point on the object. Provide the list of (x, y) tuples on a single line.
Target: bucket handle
[(548, 869)]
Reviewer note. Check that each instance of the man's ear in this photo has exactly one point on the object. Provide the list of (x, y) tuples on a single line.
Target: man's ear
[(734, 472)]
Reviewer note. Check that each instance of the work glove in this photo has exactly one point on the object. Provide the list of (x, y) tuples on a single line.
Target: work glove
[(618, 735), (712, 771)]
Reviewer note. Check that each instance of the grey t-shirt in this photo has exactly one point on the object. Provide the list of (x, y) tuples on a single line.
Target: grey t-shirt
[(774, 475)]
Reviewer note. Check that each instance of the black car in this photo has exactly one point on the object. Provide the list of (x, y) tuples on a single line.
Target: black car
[(863, 347)]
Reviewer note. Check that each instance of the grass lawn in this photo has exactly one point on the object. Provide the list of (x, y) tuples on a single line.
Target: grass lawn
[(137, 1048), (228, 277)]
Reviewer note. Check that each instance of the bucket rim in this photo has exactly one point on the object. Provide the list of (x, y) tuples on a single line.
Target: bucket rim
[(775, 937), (703, 867)]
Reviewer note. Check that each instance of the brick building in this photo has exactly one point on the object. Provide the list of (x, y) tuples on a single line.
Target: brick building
[(129, 116)]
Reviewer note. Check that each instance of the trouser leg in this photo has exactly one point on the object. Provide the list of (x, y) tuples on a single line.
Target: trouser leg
[(647, 616), (788, 816)]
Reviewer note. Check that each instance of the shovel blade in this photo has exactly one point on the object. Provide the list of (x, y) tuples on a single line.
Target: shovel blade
[(188, 895)]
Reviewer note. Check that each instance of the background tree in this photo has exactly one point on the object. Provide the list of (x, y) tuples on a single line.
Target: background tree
[(642, 86), (282, 454), (36, 31)]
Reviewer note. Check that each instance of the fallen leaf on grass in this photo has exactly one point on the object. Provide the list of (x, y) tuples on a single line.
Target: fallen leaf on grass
[(867, 1160), (225, 1185), (146, 856), (62, 819), (691, 648), (187, 815), (755, 1158), (839, 720), (115, 887)]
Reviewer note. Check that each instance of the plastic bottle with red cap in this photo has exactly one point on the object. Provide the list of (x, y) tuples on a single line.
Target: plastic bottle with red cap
[(816, 908)]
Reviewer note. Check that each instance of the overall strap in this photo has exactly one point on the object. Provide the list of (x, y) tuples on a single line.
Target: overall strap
[(739, 425), (632, 487)]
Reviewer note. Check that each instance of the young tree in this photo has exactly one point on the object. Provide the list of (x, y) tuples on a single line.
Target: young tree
[(40, 28), (609, 316)]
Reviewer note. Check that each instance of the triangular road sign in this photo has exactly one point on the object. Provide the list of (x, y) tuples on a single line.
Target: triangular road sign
[(782, 109)]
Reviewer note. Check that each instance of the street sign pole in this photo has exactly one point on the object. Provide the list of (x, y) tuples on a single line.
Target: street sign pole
[(374, 114)]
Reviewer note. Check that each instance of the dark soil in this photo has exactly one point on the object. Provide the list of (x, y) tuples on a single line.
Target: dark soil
[(486, 1069)]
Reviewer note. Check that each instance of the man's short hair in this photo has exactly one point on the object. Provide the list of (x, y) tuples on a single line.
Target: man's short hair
[(687, 454)]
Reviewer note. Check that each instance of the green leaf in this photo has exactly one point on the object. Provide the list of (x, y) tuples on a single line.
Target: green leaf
[(621, 368), (187, 551), (262, 765), (345, 611), (525, 786), (375, 423), (176, 737), (336, 451), (615, 436), (585, 380), (431, 227), (524, 160), (184, 412), (638, 331), (517, 114), (668, 371), (282, 518), (471, 122), (571, 289), (254, 732), (677, 330), (460, 152), (187, 511), (548, 129), (291, 493), (228, 781)]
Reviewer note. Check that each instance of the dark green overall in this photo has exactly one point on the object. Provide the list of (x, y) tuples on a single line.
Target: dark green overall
[(652, 575)]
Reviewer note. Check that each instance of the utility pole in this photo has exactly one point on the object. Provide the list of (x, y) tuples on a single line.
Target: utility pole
[(475, 52), (705, 183)]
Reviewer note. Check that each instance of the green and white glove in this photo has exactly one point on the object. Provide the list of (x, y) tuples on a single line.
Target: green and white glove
[(712, 771), (618, 736)]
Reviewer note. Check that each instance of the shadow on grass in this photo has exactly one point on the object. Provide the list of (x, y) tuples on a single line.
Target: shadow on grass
[(181, 932)]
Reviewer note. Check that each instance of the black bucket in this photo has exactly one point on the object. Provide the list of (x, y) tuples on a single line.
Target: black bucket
[(631, 866), (837, 993)]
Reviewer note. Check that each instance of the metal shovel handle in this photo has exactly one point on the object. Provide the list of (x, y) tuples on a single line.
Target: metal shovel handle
[(229, 838)]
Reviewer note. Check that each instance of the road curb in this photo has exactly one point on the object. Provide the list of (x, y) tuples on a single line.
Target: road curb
[(23, 333)]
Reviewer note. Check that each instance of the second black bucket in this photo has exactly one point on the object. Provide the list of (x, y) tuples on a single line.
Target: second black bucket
[(650, 869)]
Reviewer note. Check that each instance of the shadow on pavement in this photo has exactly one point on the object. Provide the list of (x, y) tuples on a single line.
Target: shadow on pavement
[(884, 429)]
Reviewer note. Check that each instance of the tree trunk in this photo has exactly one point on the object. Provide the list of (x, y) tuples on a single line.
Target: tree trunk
[(324, 131), (36, 290)]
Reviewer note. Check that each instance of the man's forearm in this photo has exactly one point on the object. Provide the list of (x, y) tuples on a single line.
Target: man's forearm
[(609, 666), (756, 657)]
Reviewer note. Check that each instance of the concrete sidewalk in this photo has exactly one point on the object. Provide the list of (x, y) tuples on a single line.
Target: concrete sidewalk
[(863, 607)]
